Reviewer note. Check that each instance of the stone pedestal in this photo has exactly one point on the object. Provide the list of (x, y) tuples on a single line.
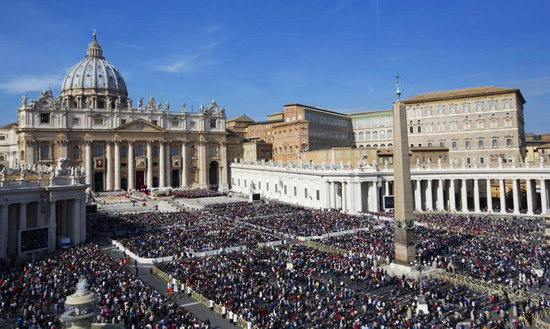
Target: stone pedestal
[(405, 240)]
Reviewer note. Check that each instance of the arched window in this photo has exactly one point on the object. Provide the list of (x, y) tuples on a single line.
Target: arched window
[(390, 145), (382, 134), (375, 135), (382, 145), (375, 145), (367, 135), (361, 136), (390, 133)]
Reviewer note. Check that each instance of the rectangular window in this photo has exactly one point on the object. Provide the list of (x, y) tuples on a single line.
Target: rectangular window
[(44, 118), (76, 121), (295, 191), (213, 123), (509, 142), (267, 187), (174, 123), (480, 143), (98, 121), (317, 195), (155, 122), (305, 192), (454, 145), (495, 143), (123, 121), (467, 144)]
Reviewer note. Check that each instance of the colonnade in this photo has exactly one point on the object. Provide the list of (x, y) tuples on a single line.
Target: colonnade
[(44, 218), (157, 170), (500, 195)]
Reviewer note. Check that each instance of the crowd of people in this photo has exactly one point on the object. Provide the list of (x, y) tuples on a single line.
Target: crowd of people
[(33, 296), (144, 221), (197, 193), (237, 210), (300, 287), (512, 228), (180, 241), (305, 222)]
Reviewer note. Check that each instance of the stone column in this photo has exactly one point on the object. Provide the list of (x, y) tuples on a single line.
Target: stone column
[(530, 196), (452, 195), (117, 165), (515, 196), (89, 164), (168, 169), (109, 166), (149, 165), (62, 149), (502, 190), (332, 194), (351, 197), (344, 196), (52, 223), (203, 164), (489, 196), (358, 198), (464, 196), (373, 194), (386, 188), (75, 222), (440, 195), (131, 167), (184, 169), (224, 184), (543, 196), (162, 164), (22, 216), (82, 204), (476, 196), (4, 231), (418, 195), (429, 195)]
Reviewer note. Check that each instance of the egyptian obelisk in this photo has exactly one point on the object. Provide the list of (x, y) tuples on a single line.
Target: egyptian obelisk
[(405, 236)]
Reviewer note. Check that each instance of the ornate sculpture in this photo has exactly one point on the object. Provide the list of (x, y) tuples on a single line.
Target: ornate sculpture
[(129, 103), (202, 108), (108, 103), (24, 100), (159, 106), (88, 102), (213, 105), (4, 174), (22, 173), (117, 103), (140, 102), (167, 107), (150, 103), (183, 108)]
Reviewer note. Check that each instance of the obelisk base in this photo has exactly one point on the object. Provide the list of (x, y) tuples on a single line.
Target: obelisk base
[(405, 240)]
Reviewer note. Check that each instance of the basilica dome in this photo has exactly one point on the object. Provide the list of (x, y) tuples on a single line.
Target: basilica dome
[(94, 75)]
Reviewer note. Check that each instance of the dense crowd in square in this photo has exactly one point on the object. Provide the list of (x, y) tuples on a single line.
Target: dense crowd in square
[(324, 290), (180, 241), (144, 220), (34, 294), (197, 193)]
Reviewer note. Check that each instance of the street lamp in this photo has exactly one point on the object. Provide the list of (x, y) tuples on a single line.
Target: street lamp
[(421, 306)]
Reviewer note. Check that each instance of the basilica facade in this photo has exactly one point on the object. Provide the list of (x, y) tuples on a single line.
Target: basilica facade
[(121, 145)]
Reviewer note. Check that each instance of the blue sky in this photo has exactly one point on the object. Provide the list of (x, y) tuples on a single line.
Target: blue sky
[(254, 56)]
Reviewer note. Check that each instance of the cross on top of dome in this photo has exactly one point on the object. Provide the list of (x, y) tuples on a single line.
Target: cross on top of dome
[(94, 49)]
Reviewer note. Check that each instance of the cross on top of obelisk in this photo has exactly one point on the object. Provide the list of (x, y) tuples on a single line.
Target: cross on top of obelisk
[(398, 86)]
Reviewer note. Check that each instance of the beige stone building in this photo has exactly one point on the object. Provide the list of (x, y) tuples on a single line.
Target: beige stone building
[(537, 146), (257, 151), (96, 126), (478, 124), (372, 129)]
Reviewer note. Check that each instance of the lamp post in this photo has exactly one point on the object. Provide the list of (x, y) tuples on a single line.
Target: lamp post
[(421, 306)]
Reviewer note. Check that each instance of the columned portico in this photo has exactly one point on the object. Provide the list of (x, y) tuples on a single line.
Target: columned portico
[(418, 195), (149, 164), (452, 195), (162, 168), (203, 165), (131, 167), (489, 195), (440, 195), (89, 163), (502, 194), (516, 196), (544, 195), (117, 165), (109, 166), (464, 196), (184, 162), (477, 208)]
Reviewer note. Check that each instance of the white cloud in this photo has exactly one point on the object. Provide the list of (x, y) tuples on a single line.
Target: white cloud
[(31, 83)]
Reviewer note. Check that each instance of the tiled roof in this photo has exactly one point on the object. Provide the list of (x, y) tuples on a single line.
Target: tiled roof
[(461, 93)]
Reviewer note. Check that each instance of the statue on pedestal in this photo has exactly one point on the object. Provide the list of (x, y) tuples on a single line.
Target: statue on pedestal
[(167, 107), (183, 108), (140, 103), (24, 100)]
